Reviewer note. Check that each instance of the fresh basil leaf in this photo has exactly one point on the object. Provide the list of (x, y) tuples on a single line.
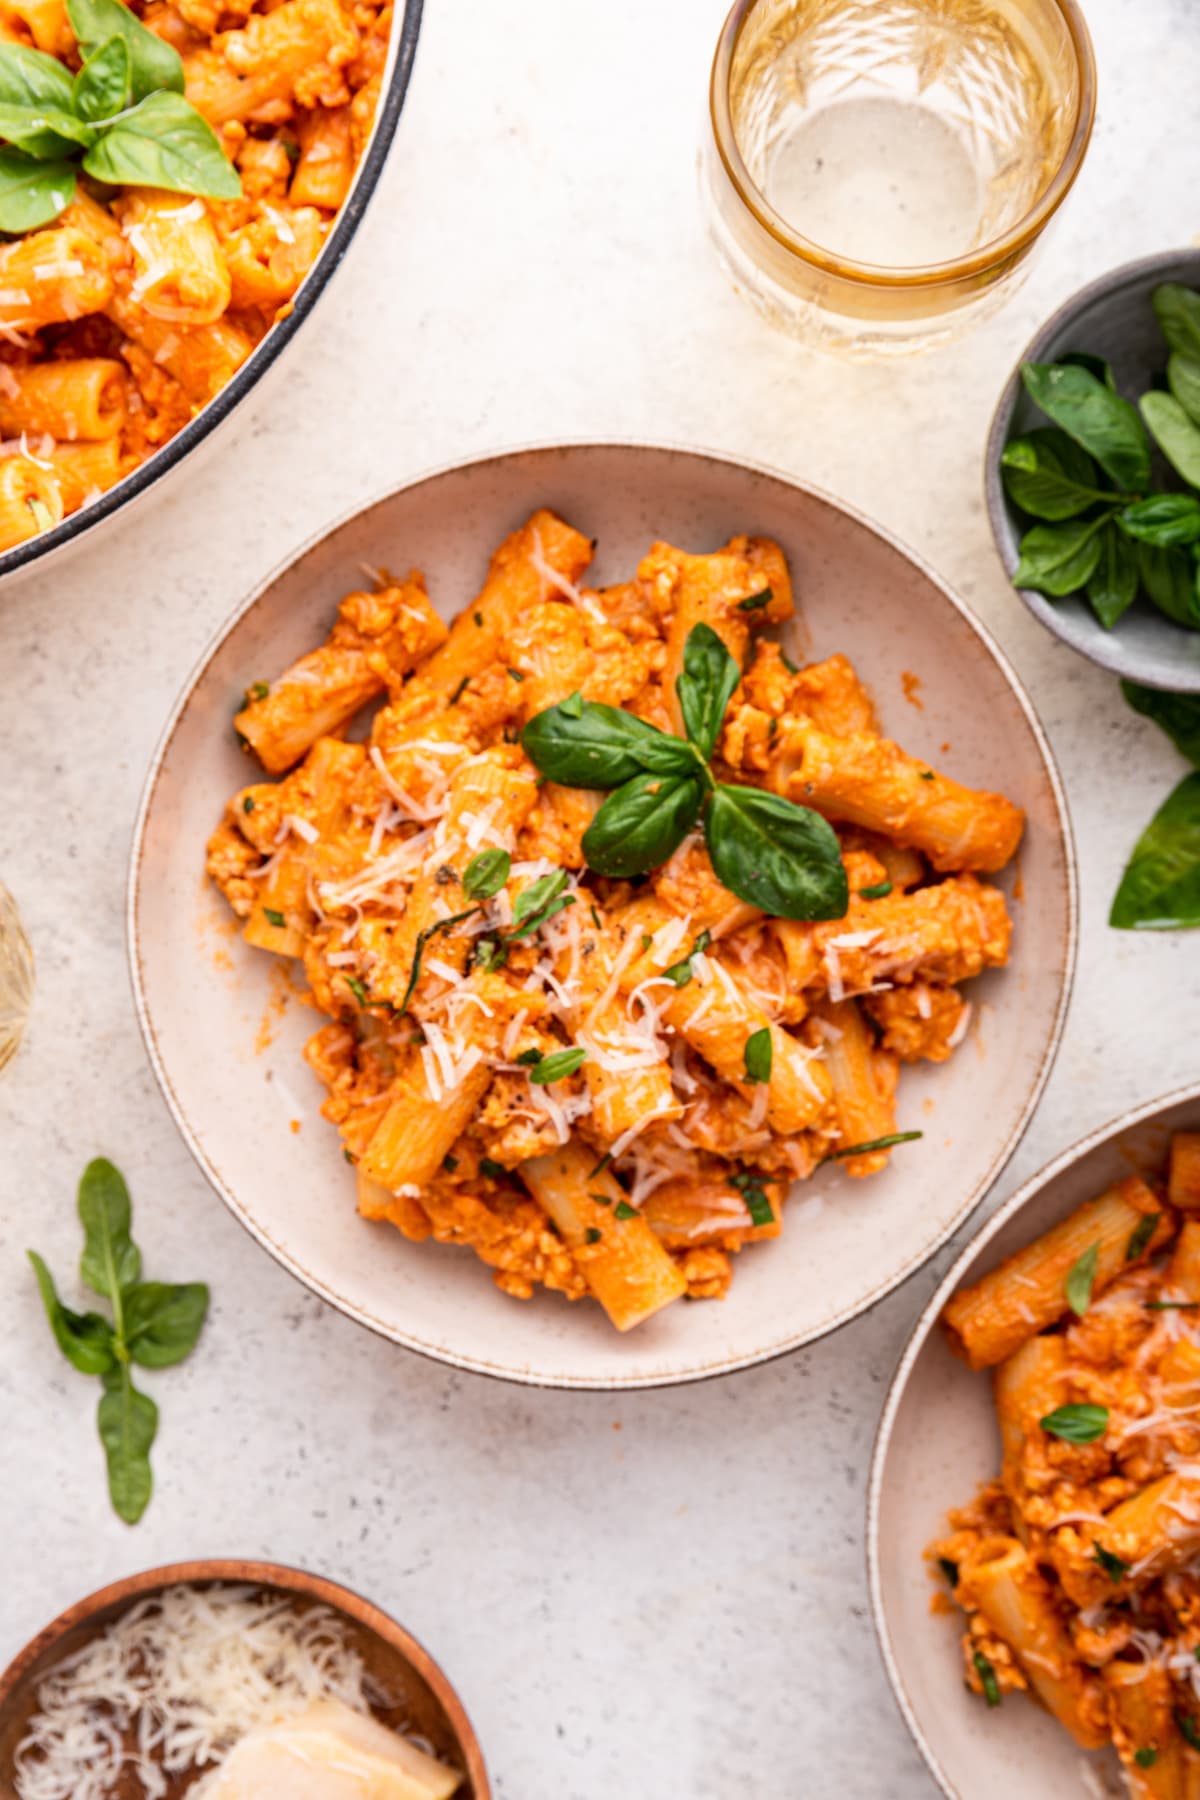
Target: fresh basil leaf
[(1162, 519), (85, 1339), (486, 874), (642, 823), (1078, 1424), (1059, 559), (1146, 1756), (600, 746), (44, 132), (1095, 365), (1160, 889), (128, 1424), (1081, 1279), (153, 64), (111, 1261), (760, 1055), (32, 193), (104, 85), (1170, 580), (1177, 436), (1177, 309), (1183, 379), (557, 1066), (1049, 476), (162, 1322), (31, 78), (1176, 714), (1105, 425), (705, 687), (164, 143), (776, 855), (1189, 1728), (1113, 584)]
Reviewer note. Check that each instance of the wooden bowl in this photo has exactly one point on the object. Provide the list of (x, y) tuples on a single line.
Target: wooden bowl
[(426, 1703)]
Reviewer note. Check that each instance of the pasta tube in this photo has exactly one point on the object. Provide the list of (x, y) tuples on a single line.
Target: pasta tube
[(30, 500), (78, 397)]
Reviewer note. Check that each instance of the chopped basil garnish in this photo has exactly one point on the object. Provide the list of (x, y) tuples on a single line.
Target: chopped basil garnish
[(883, 1143), (753, 602), (558, 1065), (880, 891), (488, 1166), (486, 874), (1146, 1757), (1189, 1728), (1113, 1567), (1078, 1286), (1171, 1305), (248, 804), (273, 917), (258, 690), (681, 973), (987, 1677), (1141, 1235), (759, 1055), (529, 1058), (457, 695), (754, 1194), (537, 904), (623, 1210), (1076, 1424), (449, 1163), (593, 1234), (423, 938)]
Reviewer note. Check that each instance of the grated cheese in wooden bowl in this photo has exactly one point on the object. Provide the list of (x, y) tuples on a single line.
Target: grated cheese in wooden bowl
[(173, 1684)]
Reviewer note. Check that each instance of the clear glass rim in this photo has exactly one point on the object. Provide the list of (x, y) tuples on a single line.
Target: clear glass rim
[(919, 275)]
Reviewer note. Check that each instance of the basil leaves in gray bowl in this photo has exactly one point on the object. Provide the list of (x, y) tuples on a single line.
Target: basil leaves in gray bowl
[(1112, 322)]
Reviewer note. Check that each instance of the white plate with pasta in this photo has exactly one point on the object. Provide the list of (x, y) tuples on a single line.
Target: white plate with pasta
[(166, 239), (629, 817), (1032, 1520)]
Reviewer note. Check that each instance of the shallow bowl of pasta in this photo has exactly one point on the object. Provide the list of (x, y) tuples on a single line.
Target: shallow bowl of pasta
[(1033, 1508), (178, 185), (614, 831)]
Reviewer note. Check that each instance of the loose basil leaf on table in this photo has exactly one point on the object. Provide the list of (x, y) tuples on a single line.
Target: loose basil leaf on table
[(32, 193), (1176, 714), (153, 64), (1177, 436), (128, 1424), (165, 143), (582, 743), (1162, 519), (642, 823), (1059, 559), (163, 1321), (1113, 584), (44, 132), (1050, 477), (85, 1339), (1183, 379), (1169, 578), (1105, 425), (710, 674), (111, 1260), (776, 855), (1177, 310), (1160, 889), (104, 85)]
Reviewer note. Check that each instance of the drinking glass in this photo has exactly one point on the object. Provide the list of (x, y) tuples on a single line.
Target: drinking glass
[(877, 172), (16, 977)]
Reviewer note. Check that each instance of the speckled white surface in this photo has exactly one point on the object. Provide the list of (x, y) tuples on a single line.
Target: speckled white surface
[(662, 1595)]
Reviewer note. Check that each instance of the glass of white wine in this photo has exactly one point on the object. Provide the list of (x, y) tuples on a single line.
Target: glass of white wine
[(16, 977), (877, 172)]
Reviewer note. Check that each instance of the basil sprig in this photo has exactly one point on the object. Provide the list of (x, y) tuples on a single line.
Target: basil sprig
[(153, 1324), (768, 851), (123, 118)]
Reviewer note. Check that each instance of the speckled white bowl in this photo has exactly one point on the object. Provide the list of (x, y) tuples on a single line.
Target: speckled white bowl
[(937, 1441), (202, 995)]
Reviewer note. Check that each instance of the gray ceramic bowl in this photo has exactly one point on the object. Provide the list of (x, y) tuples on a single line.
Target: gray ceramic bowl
[(1112, 318)]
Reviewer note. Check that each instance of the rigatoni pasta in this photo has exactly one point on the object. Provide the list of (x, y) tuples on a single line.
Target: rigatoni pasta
[(125, 307), (604, 1084), (1077, 1567)]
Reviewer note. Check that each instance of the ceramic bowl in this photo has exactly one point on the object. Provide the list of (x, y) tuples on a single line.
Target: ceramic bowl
[(202, 997), (937, 1441), (84, 524), (1112, 318), (425, 1702)]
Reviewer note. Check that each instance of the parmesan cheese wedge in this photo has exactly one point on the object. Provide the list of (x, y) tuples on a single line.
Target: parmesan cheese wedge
[(328, 1753)]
